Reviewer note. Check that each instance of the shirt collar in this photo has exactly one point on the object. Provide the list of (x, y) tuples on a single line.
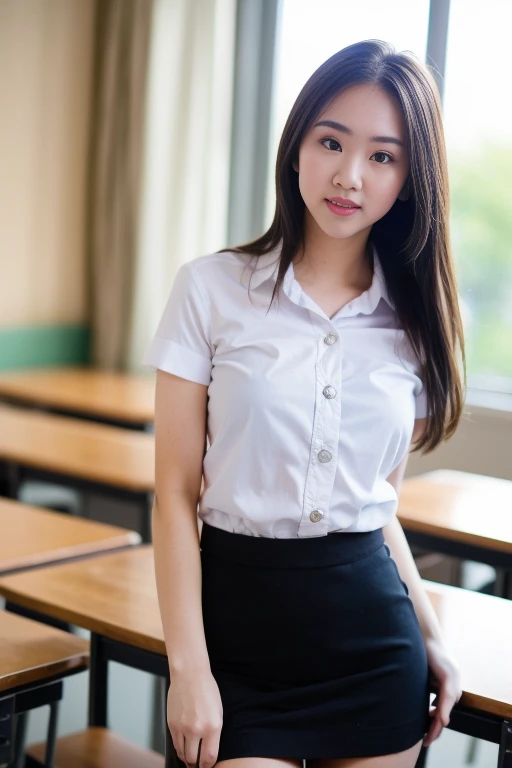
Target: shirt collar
[(267, 267)]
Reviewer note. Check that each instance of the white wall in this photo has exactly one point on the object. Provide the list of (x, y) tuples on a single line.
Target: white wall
[(482, 444)]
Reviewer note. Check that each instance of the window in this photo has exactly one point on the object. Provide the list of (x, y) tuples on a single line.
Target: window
[(478, 125), (310, 32)]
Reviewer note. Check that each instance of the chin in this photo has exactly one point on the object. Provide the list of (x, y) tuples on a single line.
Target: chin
[(342, 229)]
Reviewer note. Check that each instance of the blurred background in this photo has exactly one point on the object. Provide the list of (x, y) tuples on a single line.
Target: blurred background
[(138, 134)]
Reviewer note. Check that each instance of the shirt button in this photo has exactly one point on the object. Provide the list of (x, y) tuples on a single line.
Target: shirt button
[(316, 515), (331, 338), (329, 392), (324, 456)]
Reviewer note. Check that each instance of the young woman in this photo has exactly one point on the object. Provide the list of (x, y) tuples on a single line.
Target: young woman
[(294, 375)]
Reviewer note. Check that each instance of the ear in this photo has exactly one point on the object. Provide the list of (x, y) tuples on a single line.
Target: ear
[(295, 165)]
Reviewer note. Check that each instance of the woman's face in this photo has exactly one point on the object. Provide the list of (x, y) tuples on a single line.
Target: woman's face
[(348, 153)]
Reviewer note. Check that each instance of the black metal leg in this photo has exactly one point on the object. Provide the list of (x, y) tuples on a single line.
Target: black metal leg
[(19, 740), (506, 584), (505, 753), (6, 729), (51, 739), (159, 706), (13, 480), (146, 512), (98, 684), (421, 762)]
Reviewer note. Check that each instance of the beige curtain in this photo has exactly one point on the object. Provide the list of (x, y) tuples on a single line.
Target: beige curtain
[(121, 55), (184, 209)]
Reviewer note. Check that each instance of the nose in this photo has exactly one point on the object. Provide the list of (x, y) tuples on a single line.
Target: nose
[(348, 172)]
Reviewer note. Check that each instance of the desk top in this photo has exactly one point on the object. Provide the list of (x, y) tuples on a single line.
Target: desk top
[(114, 595), (112, 455), (33, 536), (117, 598), (117, 396), (460, 506), (32, 652)]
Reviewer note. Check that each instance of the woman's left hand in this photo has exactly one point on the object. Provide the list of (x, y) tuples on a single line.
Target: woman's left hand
[(445, 679)]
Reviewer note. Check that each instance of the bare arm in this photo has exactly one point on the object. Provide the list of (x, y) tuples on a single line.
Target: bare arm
[(443, 670), (180, 439), (401, 554), (194, 707)]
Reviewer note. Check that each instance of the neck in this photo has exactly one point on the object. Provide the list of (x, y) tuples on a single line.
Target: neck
[(342, 263)]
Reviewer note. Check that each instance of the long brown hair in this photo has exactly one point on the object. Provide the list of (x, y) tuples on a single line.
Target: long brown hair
[(412, 240)]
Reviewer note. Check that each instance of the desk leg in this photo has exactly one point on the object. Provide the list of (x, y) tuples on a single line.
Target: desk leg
[(421, 762), (159, 695), (51, 741), (506, 584), (6, 729), (98, 684), (19, 740), (146, 512), (505, 753), (13, 480)]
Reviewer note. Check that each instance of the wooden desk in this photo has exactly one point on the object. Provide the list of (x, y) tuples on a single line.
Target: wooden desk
[(119, 605), (34, 658), (92, 457), (117, 592), (462, 515), (121, 398), (33, 536)]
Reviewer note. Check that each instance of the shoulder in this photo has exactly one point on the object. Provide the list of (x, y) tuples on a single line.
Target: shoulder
[(216, 269)]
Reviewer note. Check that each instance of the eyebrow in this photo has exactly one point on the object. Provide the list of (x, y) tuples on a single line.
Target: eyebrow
[(343, 129)]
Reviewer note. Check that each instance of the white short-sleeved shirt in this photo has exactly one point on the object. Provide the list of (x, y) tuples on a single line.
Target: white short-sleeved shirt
[(307, 416)]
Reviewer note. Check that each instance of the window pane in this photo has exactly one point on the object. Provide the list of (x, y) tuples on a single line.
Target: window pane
[(478, 123), (310, 32)]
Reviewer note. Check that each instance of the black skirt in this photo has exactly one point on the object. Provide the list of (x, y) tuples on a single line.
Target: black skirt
[(314, 644)]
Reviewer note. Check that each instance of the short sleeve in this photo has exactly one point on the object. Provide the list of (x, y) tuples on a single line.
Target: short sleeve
[(421, 404), (181, 344), (410, 362)]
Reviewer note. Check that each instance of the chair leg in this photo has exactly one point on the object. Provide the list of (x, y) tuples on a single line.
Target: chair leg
[(51, 739), (19, 740), (471, 752), (421, 762)]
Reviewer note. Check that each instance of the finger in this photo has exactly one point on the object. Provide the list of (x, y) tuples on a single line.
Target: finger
[(433, 733), (209, 750), (178, 742), (445, 706), (191, 750), (199, 753)]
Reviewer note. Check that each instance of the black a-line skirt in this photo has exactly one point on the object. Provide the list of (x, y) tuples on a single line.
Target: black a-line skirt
[(314, 644)]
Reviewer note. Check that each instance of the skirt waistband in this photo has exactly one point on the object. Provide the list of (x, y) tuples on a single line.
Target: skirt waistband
[(312, 552)]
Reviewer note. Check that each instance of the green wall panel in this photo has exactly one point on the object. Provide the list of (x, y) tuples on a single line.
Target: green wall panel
[(44, 346)]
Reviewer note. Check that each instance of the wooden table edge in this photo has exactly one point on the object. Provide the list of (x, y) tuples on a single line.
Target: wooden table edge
[(98, 627), (42, 672), (50, 403), (439, 531), (70, 554), (488, 706)]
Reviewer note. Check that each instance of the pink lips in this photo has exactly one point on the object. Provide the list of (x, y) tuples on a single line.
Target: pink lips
[(336, 209)]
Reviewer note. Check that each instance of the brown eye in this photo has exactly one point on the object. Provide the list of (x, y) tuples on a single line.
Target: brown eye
[(331, 144), (388, 158)]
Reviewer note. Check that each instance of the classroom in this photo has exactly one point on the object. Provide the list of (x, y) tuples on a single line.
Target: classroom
[(185, 384)]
